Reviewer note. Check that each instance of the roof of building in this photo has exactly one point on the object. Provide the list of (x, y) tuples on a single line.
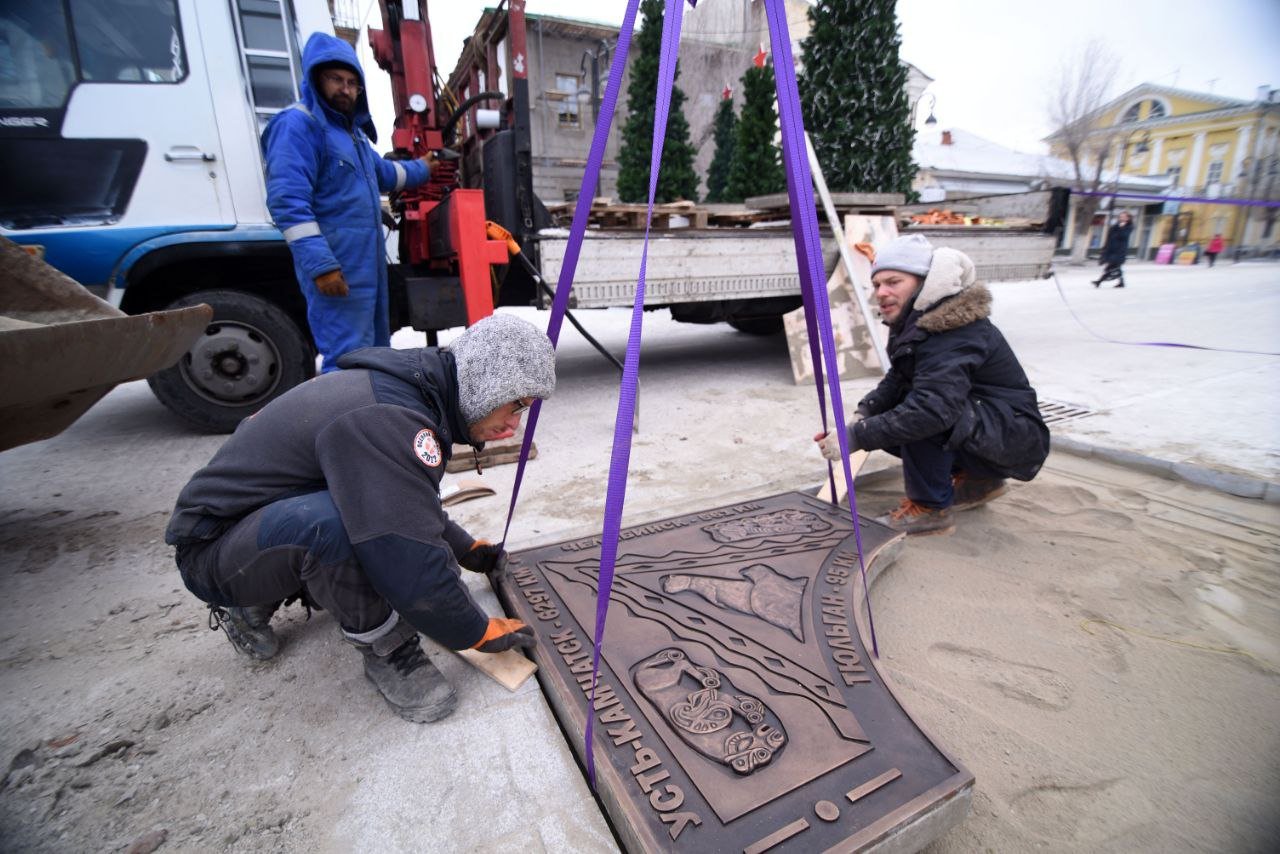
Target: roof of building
[(970, 155)]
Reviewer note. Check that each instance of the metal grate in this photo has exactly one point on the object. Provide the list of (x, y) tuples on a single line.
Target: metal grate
[(1056, 412)]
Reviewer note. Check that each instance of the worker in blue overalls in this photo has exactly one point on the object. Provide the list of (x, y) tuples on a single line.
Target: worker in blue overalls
[(324, 185)]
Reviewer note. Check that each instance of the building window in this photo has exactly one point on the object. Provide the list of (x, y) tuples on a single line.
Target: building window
[(1215, 173), (1155, 110), (1175, 176), (566, 95)]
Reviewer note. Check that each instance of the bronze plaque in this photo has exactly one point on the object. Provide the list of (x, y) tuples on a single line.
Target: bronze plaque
[(737, 707)]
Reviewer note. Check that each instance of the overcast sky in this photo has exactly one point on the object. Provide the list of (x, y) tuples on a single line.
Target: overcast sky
[(993, 61)]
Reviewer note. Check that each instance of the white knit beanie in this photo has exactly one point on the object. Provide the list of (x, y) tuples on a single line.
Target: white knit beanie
[(910, 254), (501, 359)]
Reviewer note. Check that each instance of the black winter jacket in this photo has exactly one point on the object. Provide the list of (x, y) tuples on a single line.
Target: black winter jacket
[(377, 436), (953, 371), (1116, 248)]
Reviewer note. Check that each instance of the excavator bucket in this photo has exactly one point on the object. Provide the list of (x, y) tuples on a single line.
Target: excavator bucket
[(62, 348)]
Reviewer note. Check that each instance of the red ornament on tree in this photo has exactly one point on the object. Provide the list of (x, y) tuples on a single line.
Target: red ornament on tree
[(760, 57)]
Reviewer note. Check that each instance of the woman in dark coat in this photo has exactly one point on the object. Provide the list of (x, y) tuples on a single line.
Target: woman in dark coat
[(1116, 250)]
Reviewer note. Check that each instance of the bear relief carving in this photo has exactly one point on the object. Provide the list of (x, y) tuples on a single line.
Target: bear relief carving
[(708, 713), (760, 591)]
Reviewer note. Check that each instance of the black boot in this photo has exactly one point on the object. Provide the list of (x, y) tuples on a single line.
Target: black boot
[(248, 629), (406, 678)]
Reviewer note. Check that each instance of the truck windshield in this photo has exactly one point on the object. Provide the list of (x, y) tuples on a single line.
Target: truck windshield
[(116, 41)]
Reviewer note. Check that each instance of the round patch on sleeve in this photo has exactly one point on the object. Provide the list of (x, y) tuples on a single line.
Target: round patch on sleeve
[(426, 448)]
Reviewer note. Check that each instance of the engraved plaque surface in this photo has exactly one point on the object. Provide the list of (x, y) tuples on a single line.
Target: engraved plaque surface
[(737, 708)]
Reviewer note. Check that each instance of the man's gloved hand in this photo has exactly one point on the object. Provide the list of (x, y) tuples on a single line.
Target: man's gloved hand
[(829, 443), (332, 284), (484, 556), (503, 634), (429, 159)]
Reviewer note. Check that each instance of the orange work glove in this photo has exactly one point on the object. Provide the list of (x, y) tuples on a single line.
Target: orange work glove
[(484, 556), (332, 284), (503, 634)]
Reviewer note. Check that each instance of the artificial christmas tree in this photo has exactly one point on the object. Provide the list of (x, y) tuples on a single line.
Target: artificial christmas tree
[(676, 177), (756, 169), (852, 92), (726, 133)]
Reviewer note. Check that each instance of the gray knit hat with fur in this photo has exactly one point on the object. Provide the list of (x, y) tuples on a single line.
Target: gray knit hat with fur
[(908, 254), (501, 359)]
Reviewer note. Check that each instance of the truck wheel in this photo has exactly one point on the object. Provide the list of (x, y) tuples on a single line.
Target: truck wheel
[(251, 353), (758, 325)]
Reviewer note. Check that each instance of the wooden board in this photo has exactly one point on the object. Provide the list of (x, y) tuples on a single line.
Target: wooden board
[(855, 352), (856, 460), (510, 669)]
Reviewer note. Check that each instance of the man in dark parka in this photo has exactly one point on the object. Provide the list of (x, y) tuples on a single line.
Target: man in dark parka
[(955, 404)]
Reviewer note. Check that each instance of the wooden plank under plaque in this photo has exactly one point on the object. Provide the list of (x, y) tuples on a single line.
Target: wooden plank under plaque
[(737, 707)]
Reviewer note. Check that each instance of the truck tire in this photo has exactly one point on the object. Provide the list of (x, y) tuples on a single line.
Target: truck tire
[(250, 354), (758, 325)]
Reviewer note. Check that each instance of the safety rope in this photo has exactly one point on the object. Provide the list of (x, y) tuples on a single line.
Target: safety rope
[(1174, 344)]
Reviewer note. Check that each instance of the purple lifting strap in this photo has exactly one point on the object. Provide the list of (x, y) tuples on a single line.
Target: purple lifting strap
[(804, 228), (581, 211), (616, 495), (808, 249)]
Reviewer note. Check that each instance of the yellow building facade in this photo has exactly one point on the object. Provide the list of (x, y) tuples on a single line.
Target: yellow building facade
[(1220, 156)]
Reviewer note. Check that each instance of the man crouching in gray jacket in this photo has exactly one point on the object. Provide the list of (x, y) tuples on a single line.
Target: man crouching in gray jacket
[(955, 404), (332, 493)]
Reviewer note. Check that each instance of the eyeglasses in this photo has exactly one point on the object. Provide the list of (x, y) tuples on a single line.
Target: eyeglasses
[(343, 82), (521, 405)]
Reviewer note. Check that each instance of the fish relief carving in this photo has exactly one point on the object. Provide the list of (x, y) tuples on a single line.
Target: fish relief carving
[(709, 713), (761, 592), (779, 522)]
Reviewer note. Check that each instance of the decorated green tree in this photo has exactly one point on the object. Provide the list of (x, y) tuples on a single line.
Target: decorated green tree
[(726, 133), (852, 91), (756, 169), (676, 177)]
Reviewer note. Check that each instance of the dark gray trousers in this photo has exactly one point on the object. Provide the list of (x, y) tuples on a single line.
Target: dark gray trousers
[(275, 552)]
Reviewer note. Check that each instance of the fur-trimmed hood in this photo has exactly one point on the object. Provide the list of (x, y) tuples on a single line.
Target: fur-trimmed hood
[(951, 295)]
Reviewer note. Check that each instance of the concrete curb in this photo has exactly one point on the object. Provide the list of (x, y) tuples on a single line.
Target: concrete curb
[(1228, 482)]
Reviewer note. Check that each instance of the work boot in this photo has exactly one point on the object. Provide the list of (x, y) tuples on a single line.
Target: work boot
[(248, 629), (408, 681), (972, 491), (912, 518)]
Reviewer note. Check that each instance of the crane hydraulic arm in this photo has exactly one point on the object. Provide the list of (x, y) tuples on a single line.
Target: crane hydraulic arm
[(443, 278)]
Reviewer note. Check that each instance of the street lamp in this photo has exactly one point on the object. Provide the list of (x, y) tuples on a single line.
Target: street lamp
[(931, 121)]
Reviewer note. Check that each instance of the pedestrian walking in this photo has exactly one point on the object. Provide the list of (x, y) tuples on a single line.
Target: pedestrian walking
[(1215, 248), (1115, 250)]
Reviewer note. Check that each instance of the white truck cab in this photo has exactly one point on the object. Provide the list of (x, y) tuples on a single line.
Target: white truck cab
[(130, 160)]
